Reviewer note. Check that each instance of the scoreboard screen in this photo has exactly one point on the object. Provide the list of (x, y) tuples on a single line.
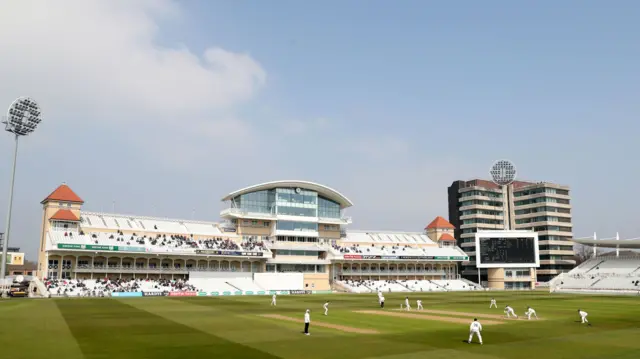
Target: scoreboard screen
[(513, 250)]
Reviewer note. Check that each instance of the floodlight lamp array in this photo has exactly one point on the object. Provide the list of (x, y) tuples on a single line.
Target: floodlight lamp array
[(503, 172), (23, 116)]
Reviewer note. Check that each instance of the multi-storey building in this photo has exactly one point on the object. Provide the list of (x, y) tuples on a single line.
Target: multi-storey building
[(545, 208)]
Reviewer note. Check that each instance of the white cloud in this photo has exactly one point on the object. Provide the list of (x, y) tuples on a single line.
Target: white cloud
[(78, 55)]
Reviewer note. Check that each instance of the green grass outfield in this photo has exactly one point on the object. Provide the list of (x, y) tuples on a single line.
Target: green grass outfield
[(231, 327)]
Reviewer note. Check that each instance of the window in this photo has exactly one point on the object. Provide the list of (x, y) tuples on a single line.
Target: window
[(288, 252), (481, 203), (297, 211), (328, 208), (265, 224), (481, 211), (304, 268), (297, 239), (297, 226), (258, 202), (481, 220)]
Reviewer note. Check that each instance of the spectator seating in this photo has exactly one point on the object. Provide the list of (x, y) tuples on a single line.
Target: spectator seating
[(394, 286), (398, 250), (604, 274), (156, 243)]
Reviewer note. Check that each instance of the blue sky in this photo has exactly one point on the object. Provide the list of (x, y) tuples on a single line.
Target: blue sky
[(164, 107)]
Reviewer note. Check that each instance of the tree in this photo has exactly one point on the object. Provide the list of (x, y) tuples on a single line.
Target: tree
[(583, 253)]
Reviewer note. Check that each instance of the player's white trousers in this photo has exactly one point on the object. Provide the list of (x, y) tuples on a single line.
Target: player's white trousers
[(471, 333), (584, 319)]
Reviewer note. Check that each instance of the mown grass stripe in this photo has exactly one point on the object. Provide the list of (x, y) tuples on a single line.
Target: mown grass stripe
[(342, 328), (418, 315), (35, 329), (112, 329)]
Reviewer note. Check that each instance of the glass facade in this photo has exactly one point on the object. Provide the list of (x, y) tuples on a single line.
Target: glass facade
[(303, 268), (289, 196), (293, 202), (297, 211), (517, 285), (328, 208), (259, 201), (287, 252), (297, 226), (287, 201)]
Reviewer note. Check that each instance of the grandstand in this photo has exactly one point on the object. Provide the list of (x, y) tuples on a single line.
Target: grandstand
[(613, 272), (275, 236)]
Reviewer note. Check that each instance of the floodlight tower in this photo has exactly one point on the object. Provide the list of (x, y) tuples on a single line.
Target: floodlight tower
[(504, 173), (22, 118)]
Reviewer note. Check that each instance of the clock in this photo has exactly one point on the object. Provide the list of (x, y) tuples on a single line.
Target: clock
[(298, 190)]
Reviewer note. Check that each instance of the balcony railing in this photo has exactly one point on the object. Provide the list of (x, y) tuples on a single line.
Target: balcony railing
[(243, 212), (391, 272), (169, 270)]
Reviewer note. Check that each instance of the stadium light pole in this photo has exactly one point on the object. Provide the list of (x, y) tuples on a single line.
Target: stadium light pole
[(22, 118)]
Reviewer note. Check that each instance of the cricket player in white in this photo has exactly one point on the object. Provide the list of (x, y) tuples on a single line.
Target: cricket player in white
[(381, 299), (475, 328), (493, 303), (419, 304), (530, 312), (406, 303), (273, 300), (509, 312), (583, 316), (326, 307), (307, 321)]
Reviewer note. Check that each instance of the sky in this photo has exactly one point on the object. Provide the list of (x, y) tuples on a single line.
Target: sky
[(160, 107)]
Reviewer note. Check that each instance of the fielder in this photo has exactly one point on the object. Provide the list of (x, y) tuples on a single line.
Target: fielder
[(406, 303), (493, 303), (381, 299), (273, 300), (530, 312), (583, 316), (326, 308), (509, 312), (419, 304), (475, 328)]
